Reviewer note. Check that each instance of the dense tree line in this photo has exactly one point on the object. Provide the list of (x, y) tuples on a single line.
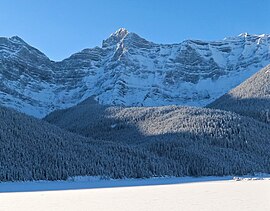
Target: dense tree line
[(32, 149), (186, 140)]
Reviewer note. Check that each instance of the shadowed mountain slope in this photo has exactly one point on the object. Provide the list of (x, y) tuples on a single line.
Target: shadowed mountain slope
[(251, 98)]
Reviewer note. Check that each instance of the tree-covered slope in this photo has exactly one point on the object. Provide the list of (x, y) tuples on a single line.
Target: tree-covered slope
[(251, 98), (140, 124), (31, 149), (204, 141)]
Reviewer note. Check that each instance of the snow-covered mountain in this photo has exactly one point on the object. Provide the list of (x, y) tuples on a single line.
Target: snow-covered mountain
[(128, 70)]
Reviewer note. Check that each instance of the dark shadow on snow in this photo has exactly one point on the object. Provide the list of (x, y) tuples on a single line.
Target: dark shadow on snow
[(35, 186)]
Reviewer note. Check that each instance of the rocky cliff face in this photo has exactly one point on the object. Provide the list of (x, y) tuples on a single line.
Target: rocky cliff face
[(128, 70)]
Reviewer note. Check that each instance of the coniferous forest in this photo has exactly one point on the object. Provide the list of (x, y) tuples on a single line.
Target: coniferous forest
[(117, 142)]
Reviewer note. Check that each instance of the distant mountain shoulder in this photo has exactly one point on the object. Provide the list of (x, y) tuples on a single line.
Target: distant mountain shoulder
[(251, 98)]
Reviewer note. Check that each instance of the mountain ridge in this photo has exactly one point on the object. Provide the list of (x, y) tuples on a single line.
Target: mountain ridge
[(243, 35), (128, 70)]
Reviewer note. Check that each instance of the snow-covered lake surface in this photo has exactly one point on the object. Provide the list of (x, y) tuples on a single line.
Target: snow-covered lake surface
[(205, 193)]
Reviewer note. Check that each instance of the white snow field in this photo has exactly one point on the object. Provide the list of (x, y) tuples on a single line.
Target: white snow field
[(207, 193)]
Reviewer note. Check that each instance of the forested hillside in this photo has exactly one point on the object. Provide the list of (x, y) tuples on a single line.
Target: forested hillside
[(32, 149), (251, 98), (141, 124), (204, 141)]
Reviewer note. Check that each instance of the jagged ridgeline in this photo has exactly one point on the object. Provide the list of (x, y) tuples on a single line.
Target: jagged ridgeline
[(202, 141), (128, 70), (251, 98)]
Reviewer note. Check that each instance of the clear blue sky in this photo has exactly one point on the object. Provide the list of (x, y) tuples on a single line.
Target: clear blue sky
[(62, 27)]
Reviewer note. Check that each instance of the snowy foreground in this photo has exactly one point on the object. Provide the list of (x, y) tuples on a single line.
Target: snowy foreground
[(206, 193)]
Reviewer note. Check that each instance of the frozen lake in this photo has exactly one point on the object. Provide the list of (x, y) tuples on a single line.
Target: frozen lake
[(207, 193)]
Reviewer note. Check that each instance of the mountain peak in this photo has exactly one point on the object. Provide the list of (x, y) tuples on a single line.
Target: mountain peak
[(122, 32), (245, 34), (17, 39), (253, 35), (115, 37)]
